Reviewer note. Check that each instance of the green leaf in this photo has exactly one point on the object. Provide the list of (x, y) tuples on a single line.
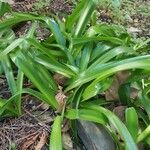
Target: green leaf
[(38, 75), (132, 122), (86, 114), (19, 84), (11, 47), (87, 11), (92, 91), (55, 138), (115, 121), (83, 40), (50, 53), (145, 101), (4, 8), (55, 66), (102, 71), (55, 30), (103, 30), (99, 50), (17, 18), (144, 134), (71, 20), (124, 93), (85, 57), (110, 55), (9, 74), (9, 104)]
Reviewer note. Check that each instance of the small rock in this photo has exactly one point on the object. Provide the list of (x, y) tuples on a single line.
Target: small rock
[(134, 30), (8, 1), (95, 137), (136, 20)]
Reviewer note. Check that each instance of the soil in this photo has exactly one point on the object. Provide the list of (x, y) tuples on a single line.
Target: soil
[(31, 130)]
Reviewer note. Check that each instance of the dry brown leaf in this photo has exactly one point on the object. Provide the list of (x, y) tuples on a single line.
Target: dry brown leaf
[(61, 99), (8, 1), (67, 142), (60, 79), (43, 138), (119, 78), (120, 112), (134, 93), (29, 141)]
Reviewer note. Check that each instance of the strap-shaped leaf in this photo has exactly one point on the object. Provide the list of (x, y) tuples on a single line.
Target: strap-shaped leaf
[(71, 20), (102, 71), (50, 53), (11, 47), (9, 74), (145, 101), (54, 66), (124, 94), (110, 55), (55, 30), (55, 138), (144, 134), (85, 57), (38, 75), (98, 88), (17, 18), (115, 121), (83, 40), (99, 50), (87, 11), (20, 17), (4, 8), (7, 104), (86, 114), (132, 122)]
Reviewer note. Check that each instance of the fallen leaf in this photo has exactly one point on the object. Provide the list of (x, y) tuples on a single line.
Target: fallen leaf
[(119, 78), (67, 142), (30, 139), (120, 112), (60, 79), (61, 99), (43, 139)]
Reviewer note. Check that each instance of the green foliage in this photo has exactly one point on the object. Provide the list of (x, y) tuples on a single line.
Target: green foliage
[(88, 56), (4, 8), (55, 139)]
